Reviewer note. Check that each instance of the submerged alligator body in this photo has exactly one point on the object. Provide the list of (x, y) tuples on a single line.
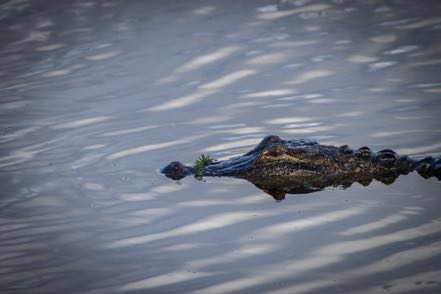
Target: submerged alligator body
[(302, 166)]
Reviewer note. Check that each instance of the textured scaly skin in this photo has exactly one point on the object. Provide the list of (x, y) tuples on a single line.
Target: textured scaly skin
[(301, 166)]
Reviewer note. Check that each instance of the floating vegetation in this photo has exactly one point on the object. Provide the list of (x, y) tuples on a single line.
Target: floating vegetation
[(200, 164)]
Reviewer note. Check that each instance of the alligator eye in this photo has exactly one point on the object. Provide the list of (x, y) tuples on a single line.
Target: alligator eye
[(277, 151)]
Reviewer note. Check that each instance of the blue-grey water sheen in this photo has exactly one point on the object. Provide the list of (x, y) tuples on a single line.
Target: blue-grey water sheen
[(97, 96)]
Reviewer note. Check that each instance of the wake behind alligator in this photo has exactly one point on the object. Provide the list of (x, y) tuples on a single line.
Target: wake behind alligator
[(303, 166)]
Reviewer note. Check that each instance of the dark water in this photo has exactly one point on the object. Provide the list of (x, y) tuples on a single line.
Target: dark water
[(96, 96)]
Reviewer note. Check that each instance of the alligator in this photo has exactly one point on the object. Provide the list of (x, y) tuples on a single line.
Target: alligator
[(303, 166)]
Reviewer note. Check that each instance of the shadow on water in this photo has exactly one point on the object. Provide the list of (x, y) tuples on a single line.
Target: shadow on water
[(95, 96)]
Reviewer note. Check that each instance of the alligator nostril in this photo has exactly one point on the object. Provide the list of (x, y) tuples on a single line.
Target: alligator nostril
[(175, 170)]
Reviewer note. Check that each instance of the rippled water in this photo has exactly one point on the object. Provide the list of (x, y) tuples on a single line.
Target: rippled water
[(96, 96)]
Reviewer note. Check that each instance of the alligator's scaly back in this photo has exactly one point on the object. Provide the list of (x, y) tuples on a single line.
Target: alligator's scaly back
[(303, 166)]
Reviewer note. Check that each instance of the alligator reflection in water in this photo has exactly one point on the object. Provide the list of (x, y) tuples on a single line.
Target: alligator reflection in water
[(279, 166)]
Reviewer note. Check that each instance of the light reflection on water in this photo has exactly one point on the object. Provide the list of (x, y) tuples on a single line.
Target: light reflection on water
[(96, 96)]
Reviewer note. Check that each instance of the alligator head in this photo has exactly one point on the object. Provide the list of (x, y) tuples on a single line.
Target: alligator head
[(271, 157)]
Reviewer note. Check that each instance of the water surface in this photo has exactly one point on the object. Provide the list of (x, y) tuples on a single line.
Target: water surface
[(97, 96)]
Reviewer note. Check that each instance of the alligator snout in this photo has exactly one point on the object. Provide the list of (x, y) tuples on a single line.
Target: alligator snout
[(176, 170)]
